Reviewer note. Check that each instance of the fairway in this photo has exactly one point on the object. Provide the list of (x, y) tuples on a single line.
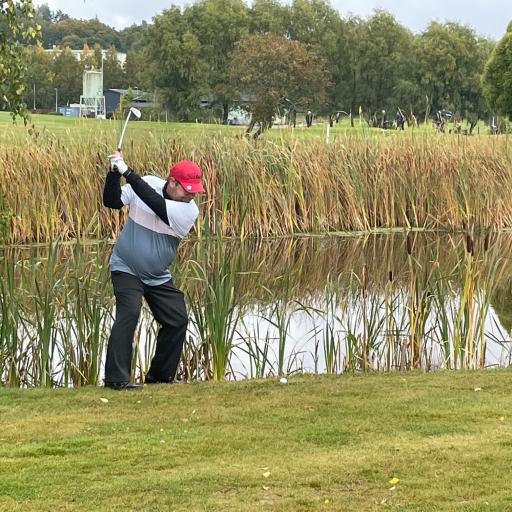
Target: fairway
[(42, 128), (70, 129), (391, 442)]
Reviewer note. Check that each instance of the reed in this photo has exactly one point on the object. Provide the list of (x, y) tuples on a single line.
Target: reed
[(215, 312), (331, 333), (265, 188), (88, 317), (433, 310), (257, 347), (11, 350), (419, 304)]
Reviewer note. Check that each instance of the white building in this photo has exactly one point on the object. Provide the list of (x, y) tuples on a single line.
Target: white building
[(121, 57)]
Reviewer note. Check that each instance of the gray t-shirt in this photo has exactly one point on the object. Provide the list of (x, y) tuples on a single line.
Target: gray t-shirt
[(147, 245)]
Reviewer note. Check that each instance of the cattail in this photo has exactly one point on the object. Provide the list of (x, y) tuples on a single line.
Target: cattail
[(408, 241), (390, 276), (487, 241), (469, 244)]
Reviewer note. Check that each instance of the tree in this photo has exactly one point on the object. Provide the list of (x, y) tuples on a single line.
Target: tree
[(450, 58), (44, 14), (113, 73), (497, 77), (384, 63), (39, 79), (74, 33), (271, 70), (318, 24), (218, 25), (176, 64), (16, 21), (68, 73), (135, 70), (350, 53), (132, 37), (268, 16)]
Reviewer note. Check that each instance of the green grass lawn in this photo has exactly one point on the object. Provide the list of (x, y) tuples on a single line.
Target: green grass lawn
[(316, 443), (72, 129)]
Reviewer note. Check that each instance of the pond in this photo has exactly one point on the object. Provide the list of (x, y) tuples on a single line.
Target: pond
[(269, 307)]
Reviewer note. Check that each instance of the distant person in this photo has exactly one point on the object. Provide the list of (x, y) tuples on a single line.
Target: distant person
[(399, 120), (161, 212), (384, 122), (309, 118), (440, 121)]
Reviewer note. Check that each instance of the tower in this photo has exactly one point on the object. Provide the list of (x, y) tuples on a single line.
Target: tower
[(92, 101)]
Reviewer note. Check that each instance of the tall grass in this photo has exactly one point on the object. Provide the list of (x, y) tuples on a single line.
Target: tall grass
[(434, 309), (55, 315), (268, 187), (215, 312)]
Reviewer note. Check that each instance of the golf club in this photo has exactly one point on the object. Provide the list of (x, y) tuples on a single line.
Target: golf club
[(137, 114)]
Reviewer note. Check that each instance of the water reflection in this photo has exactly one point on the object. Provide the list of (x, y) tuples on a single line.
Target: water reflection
[(316, 304)]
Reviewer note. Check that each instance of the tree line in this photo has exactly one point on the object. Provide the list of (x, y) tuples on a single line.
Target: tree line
[(217, 51)]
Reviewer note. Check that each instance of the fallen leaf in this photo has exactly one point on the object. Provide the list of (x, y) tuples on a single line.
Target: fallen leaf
[(265, 487), (266, 474), (392, 488), (394, 480), (104, 400), (502, 418), (478, 389)]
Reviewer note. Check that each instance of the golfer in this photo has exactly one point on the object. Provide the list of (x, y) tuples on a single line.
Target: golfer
[(161, 213)]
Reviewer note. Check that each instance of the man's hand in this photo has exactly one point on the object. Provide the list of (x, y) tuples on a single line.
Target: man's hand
[(117, 163)]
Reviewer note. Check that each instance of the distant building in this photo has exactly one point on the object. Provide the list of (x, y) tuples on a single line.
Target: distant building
[(141, 100), (121, 57)]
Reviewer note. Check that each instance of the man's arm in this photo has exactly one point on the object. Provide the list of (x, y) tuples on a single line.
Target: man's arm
[(149, 196), (180, 217), (152, 198), (112, 191)]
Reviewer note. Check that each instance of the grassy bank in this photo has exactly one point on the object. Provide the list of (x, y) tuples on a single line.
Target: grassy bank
[(316, 443)]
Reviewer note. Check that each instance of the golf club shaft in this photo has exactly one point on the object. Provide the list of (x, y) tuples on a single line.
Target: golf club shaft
[(124, 129)]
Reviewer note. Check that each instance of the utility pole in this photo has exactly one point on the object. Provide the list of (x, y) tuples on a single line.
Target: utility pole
[(56, 99), (34, 95)]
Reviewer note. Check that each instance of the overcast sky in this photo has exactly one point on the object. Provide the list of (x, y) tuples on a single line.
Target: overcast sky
[(487, 17)]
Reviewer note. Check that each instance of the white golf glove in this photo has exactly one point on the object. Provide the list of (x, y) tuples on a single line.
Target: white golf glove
[(117, 163)]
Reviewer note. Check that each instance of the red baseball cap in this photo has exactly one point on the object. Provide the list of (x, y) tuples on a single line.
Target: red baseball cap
[(188, 174)]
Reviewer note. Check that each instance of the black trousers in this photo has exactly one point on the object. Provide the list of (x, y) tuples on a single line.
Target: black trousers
[(168, 307)]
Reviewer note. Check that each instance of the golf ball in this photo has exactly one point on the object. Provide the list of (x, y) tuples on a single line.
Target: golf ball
[(283, 380)]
